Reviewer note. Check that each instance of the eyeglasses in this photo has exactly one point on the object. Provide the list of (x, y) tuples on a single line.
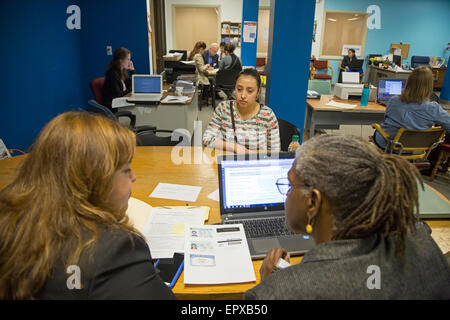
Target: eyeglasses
[(284, 186)]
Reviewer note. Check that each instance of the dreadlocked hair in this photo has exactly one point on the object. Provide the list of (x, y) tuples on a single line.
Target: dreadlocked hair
[(369, 192)]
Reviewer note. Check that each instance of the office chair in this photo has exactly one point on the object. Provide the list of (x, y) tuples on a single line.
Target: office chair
[(97, 87), (417, 61), (179, 137), (287, 130), (411, 144), (226, 81), (321, 65), (444, 151), (95, 107), (320, 86)]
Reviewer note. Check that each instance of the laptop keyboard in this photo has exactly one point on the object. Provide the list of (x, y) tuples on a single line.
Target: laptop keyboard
[(260, 228)]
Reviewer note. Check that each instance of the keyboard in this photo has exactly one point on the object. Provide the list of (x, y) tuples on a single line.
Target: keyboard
[(260, 228)]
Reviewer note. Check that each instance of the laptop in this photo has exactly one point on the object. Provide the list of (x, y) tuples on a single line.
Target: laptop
[(387, 89), (146, 88), (249, 195)]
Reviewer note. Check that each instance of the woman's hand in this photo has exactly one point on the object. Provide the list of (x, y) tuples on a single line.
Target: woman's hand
[(131, 65), (269, 264)]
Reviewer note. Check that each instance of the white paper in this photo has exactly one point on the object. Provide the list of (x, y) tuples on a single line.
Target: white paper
[(209, 251), (333, 103), (121, 102), (160, 230), (249, 33), (214, 195), (138, 211), (175, 99), (176, 192), (192, 62)]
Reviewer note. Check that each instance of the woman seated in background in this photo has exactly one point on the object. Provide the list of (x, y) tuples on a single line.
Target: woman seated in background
[(117, 80), (361, 208), (244, 124), (230, 61), (413, 110), (64, 231), (348, 65), (201, 69)]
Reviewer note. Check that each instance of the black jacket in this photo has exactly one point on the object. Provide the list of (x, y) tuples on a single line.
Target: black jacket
[(120, 268), (113, 87), (346, 62)]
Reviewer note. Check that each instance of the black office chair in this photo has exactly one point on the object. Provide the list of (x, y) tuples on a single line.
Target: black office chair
[(179, 137), (95, 107), (226, 81), (287, 130)]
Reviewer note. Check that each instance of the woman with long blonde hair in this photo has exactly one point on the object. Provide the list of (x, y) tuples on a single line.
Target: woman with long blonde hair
[(64, 232)]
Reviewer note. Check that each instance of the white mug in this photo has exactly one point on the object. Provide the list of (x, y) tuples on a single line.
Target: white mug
[(179, 91)]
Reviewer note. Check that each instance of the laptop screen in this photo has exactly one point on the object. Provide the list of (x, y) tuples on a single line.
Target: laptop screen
[(250, 183), (390, 88), (147, 84)]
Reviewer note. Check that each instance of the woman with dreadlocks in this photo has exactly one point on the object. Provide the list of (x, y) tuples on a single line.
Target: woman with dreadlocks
[(361, 208)]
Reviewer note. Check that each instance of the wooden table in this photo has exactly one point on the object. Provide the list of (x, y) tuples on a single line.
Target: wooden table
[(153, 165), (320, 116)]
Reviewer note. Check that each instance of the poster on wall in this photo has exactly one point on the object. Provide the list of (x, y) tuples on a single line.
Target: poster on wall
[(249, 32), (357, 49)]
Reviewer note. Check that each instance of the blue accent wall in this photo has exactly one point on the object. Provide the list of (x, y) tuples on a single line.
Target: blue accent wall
[(47, 67), (287, 79), (41, 66), (250, 11), (424, 25)]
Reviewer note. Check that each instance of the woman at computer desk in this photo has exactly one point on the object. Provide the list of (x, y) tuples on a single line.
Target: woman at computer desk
[(64, 231), (413, 110), (361, 208), (244, 124), (117, 76)]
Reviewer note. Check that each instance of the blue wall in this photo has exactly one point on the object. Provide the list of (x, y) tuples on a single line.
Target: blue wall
[(47, 68), (287, 83), (40, 65), (424, 25), (250, 11)]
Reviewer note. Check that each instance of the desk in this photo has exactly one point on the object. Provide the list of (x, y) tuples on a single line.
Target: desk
[(153, 165), (168, 116), (320, 116), (375, 73)]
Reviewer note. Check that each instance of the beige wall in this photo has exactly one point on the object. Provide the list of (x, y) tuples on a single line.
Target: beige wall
[(188, 30), (263, 32)]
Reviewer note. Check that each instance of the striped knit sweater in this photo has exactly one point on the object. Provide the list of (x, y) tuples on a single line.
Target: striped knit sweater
[(260, 132)]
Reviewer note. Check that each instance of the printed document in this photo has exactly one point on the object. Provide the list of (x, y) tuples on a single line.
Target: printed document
[(164, 231), (209, 251)]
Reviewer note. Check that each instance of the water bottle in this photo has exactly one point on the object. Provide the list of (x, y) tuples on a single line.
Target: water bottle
[(294, 143), (365, 95)]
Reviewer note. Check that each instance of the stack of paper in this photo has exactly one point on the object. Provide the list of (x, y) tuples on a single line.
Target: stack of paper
[(175, 99), (164, 231), (138, 211), (121, 102), (333, 103), (209, 250)]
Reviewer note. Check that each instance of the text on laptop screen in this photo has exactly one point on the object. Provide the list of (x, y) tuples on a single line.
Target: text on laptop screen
[(390, 88), (147, 84), (251, 183)]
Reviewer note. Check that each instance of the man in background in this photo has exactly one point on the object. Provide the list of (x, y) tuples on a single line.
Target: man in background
[(211, 57)]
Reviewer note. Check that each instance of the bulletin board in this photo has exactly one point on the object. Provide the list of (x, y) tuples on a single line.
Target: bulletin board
[(342, 28)]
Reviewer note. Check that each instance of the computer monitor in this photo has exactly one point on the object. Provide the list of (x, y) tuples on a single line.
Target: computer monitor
[(147, 84), (387, 89), (397, 60)]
